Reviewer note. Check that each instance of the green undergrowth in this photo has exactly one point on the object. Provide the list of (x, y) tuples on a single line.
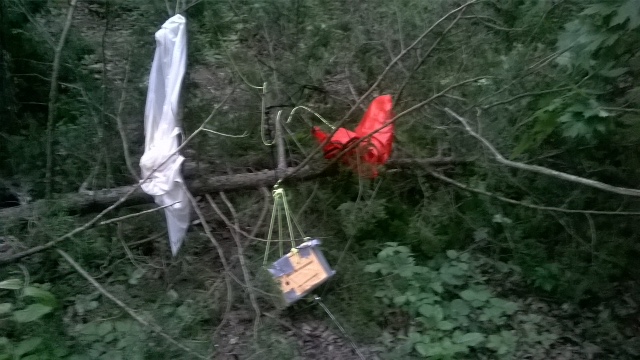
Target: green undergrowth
[(455, 307)]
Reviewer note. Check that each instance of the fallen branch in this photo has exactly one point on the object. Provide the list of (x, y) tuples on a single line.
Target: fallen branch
[(540, 169), (133, 195)]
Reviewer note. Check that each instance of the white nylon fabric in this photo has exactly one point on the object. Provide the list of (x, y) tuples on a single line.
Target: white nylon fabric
[(162, 131)]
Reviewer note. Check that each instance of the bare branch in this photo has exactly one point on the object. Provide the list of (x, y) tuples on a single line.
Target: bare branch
[(531, 206), (223, 259), (136, 214), (53, 98), (123, 134), (243, 265), (540, 169), (426, 55)]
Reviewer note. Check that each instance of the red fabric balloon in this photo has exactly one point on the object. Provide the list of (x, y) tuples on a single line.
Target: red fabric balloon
[(375, 121), (336, 144), (374, 150)]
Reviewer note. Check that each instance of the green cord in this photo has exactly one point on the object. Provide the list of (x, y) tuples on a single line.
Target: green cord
[(280, 204)]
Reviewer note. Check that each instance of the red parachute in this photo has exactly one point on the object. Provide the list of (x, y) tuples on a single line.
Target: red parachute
[(372, 152)]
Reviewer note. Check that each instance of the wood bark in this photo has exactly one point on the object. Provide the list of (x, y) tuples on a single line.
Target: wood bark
[(98, 200)]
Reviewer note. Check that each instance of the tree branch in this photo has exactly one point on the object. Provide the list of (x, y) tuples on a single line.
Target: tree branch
[(540, 169), (520, 203), (53, 98)]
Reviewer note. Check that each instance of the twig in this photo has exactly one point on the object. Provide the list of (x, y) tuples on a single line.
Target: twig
[(100, 125), (123, 133), (520, 203), (223, 259), (541, 169), (426, 55), (53, 98), (243, 265), (52, 243), (520, 96), (594, 236), (400, 56), (150, 238), (266, 195), (136, 214), (155, 328)]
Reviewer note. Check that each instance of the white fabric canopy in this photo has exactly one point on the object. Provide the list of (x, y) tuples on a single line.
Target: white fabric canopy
[(162, 131)]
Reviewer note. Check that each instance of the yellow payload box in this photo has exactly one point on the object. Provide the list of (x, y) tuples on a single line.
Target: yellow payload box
[(303, 269)]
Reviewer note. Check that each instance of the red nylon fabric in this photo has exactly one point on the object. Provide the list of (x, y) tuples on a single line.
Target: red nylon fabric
[(370, 152)]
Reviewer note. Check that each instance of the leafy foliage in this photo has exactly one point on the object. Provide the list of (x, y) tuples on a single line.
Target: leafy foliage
[(454, 313)]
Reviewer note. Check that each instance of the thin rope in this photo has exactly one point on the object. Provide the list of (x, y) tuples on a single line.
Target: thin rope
[(270, 234), (311, 111), (280, 246), (281, 205), (335, 321)]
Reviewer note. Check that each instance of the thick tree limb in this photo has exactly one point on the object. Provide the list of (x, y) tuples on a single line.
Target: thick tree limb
[(100, 199), (540, 169)]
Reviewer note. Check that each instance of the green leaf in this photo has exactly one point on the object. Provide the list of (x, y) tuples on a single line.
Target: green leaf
[(468, 295), (422, 348), (372, 268), (508, 307), (437, 287), (446, 325), (136, 276), (26, 346), (629, 10), (431, 311), (105, 328), (5, 308), (471, 339), (460, 307), (43, 296), (452, 254), (600, 8), (31, 313), (11, 284), (612, 73), (399, 300)]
